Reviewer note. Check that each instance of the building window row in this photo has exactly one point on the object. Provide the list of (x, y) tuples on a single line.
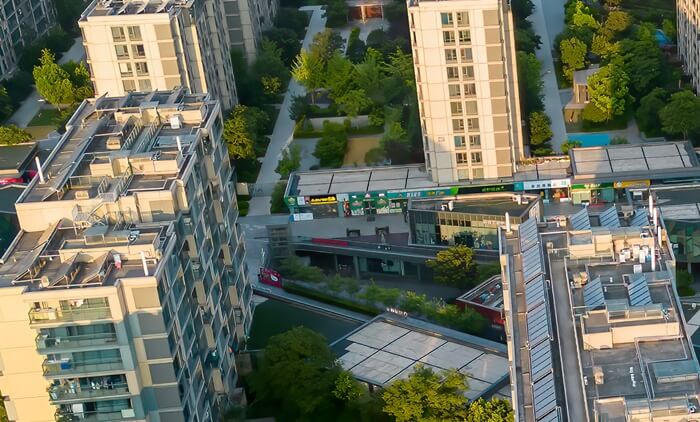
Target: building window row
[(461, 141), (463, 158), (449, 19), (137, 51), (464, 36), (459, 125), (457, 91), (454, 71), (119, 35), (131, 84), (465, 55), (468, 107), (126, 70)]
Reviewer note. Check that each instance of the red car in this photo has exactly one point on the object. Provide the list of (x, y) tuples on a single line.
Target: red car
[(270, 277)]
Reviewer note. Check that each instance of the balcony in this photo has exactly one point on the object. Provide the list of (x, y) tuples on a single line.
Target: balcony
[(93, 416), (67, 367), (46, 344), (72, 392), (53, 315)]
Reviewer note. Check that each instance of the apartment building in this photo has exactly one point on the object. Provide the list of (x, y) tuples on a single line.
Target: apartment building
[(21, 22), (466, 81), (135, 45), (688, 24), (246, 20), (595, 329), (124, 297)]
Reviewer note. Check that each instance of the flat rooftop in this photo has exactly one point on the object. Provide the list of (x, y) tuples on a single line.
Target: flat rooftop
[(13, 158), (101, 8), (489, 294), (389, 347), (488, 204), (550, 168), (617, 162)]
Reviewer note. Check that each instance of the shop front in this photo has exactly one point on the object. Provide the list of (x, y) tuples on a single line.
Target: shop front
[(621, 187), (557, 190), (592, 193)]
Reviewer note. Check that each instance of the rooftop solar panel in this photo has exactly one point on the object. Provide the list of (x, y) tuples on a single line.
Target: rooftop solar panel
[(553, 416), (540, 360), (593, 295), (580, 220), (544, 396), (640, 219), (532, 263), (528, 234), (534, 292), (638, 291), (609, 218), (537, 325)]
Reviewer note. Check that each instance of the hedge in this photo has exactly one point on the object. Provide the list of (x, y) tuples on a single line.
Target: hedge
[(331, 300)]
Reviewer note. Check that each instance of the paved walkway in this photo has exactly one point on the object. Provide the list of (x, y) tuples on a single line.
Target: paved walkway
[(283, 132), (26, 112), (547, 26)]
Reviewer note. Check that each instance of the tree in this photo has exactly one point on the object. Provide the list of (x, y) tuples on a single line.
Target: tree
[(611, 4), (5, 104), (339, 76), (527, 40), (353, 102), (454, 266), (375, 156), (591, 113), (573, 54), (52, 81), (369, 76), (80, 79), (286, 40), (356, 47), (669, 28), (308, 70), (581, 16), (290, 161), (682, 114), (346, 388), (648, 111), (540, 133), (336, 13), (522, 9), (602, 47), (619, 140), (67, 14), (292, 18), (277, 204), (325, 44), (269, 71), (571, 143), (608, 90), (426, 395), (271, 85), (297, 372), (530, 81), (643, 62), (298, 107), (494, 410), (238, 134), (12, 135), (330, 149), (617, 21)]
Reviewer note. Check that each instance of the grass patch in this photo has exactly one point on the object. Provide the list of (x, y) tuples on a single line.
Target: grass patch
[(618, 123), (48, 117), (357, 148)]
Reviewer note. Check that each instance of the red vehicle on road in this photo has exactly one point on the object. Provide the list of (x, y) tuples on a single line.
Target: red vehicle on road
[(270, 277)]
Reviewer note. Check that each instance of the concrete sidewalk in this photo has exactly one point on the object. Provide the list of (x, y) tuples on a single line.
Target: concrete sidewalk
[(30, 107)]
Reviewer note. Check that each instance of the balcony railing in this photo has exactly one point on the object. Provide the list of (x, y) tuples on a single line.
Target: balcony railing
[(69, 367), (61, 393), (44, 342), (53, 315), (116, 415)]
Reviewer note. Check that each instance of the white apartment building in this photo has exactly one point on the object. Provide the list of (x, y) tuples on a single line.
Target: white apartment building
[(142, 46), (688, 21), (245, 22), (21, 22), (466, 81)]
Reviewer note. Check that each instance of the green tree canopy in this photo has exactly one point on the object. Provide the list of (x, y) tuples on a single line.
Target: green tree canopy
[(309, 71), (290, 161), (540, 133), (648, 111), (336, 13), (530, 82), (353, 102), (369, 75), (346, 388), (642, 61), (580, 16), (573, 54), (669, 28), (608, 90), (427, 396), (454, 266), (286, 40), (239, 134), (603, 47), (339, 77), (52, 81), (12, 135), (325, 44), (330, 149), (5, 104), (571, 143), (527, 40), (494, 410), (682, 114), (617, 21)]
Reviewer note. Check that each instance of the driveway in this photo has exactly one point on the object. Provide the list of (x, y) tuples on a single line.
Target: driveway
[(26, 112)]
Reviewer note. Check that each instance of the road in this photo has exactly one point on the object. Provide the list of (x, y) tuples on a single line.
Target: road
[(26, 112), (283, 131), (548, 21)]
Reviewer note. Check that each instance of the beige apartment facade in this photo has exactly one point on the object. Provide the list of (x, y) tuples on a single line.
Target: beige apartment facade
[(688, 24), (125, 297), (466, 81), (245, 22), (136, 46)]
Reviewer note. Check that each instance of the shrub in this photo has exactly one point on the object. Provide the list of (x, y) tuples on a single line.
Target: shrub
[(19, 87), (330, 150), (299, 107), (619, 140), (295, 269), (413, 302), (352, 286), (375, 155), (331, 300), (243, 207), (277, 204), (686, 291)]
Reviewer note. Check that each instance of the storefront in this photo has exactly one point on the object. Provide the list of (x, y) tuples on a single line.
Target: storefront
[(557, 190), (592, 193), (622, 186)]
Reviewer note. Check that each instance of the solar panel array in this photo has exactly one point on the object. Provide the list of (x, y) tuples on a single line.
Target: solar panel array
[(528, 234), (640, 219), (532, 263), (593, 295), (638, 291), (580, 220), (534, 292), (540, 361), (544, 396), (553, 416), (609, 218), (537, 325)]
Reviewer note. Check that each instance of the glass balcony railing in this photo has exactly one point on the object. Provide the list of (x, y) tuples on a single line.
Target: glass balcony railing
[(53, 315), (94, 416), (67, 367), (70, 392), (50, 344)]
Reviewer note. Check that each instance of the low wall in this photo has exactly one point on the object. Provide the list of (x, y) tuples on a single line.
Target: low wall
[(356, 122)]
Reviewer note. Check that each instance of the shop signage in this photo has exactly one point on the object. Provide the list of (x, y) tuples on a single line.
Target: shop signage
[(542, 184), (630, 183), (303, 216), (322, 200), (291, 200), (589, 186), (423, 193), (485, 189)]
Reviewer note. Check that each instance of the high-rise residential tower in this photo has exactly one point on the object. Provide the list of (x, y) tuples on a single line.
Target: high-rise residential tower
[(246, 20), (21, 22), (688, 23), (466, 81), (135, 45), (124, 297)]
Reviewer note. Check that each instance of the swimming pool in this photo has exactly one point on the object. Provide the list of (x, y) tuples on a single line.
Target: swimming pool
[(591, 139)]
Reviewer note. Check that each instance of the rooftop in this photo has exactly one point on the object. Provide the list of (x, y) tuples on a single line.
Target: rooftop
[(489, 294), (99, 8), (14, 159), (581, 76), (517, 205), (388, 348)]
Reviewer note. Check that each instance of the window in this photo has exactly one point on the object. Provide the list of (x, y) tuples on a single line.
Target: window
[(474, 140), (122, 51), (454, 91), (462, 18), (459, 141), (469, 90), (134, 33), (478, 173), (446, 19), (129, 85), (462, 174), (458, 125), (141, 68), (125, 69), (466, 54), (462, 158), (413, 23), (473, 123), (456, 108), (448, 37), (470, 108), (468, 72), (144, 84), (139, 51), (118, 34), (476, 158), (452, 73), (465, 36), (450, 55)]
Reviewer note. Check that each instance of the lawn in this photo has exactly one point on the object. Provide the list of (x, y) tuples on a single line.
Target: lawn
[(651, 10), (46, 117), (357, 148)]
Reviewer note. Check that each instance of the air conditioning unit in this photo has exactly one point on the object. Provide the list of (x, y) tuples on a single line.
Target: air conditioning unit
[(82, 194), (114, 143), (176, 121)]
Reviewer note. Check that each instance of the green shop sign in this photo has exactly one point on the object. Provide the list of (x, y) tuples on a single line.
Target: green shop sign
[(589, 186), (423, 193)]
